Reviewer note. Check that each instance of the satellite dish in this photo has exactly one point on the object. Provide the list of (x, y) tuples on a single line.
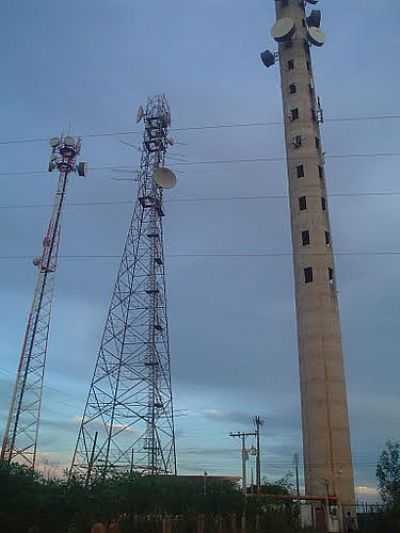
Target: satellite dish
[(316, 36), (37, 261), (268, 58), (140, 114), (69, 141), (283, 29), (54, 142), (314, 19), (171, 141), (165, 178)]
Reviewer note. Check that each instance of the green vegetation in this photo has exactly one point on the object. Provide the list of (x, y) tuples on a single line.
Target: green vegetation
[(30, 503)]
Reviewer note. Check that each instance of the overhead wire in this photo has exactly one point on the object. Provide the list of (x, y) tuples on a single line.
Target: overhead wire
[(79, 257), (224, 162), (205, 127), (203, 199)]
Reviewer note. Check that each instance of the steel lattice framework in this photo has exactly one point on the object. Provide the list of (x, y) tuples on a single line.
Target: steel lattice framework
[(128, 421), (22, 428)]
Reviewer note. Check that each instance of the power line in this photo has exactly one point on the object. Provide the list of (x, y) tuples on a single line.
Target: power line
[(205, 128), (202, 199), (218, 255), (223, 162)]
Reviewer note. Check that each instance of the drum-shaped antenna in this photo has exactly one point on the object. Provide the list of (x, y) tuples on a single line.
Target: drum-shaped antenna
[(268, 58), (165, 178), (314, 19)]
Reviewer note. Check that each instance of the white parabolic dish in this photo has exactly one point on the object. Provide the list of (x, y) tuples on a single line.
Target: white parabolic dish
[(54, 141), (69, 141), (165, 178), (283, 29), (316, 36)]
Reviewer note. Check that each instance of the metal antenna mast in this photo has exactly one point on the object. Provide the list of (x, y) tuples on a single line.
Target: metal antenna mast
[(129, 406), (22, 428)]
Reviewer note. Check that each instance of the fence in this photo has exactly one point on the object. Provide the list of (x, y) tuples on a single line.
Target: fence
[(273, 518)]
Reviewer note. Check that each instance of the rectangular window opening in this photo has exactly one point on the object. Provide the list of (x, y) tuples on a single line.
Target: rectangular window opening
[(292, 88), (300, 171), (331, 275), (323, 203), (321, 172), (308, 66), (294, 114), (291, 64), (302, 203), (327, 238), (317, 143), (305, 238), (314, 115), (308, 275), (297, 141)]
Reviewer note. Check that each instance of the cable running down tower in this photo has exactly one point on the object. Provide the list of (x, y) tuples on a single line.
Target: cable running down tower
[(22, 428), (128, 421)]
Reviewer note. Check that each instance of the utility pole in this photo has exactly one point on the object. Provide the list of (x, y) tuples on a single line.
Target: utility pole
[(130, 401), (22, 428), (296, 464), (258, 423), (244, 455)]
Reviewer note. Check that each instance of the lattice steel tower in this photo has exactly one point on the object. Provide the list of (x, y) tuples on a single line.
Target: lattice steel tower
[(325, 421), (22, 428), (128, 421)]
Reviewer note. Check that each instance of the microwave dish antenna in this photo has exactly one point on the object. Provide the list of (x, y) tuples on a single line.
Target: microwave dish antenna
[(69, 141), (316, 36), (283, 30), (54, 142), (164, 178)]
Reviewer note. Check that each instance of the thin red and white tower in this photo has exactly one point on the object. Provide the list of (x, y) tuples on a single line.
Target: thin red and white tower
[(20, 442), (325, 421)]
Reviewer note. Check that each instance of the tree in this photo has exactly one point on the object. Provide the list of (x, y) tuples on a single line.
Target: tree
[(388, 473)]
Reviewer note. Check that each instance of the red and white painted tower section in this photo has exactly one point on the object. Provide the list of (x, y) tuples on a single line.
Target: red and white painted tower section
[(22, 429)]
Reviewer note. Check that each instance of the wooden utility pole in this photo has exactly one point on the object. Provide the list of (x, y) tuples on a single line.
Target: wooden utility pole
[(258, 423), (243, 436)]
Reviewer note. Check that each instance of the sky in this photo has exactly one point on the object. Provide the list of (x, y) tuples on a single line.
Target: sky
[(84, 68)]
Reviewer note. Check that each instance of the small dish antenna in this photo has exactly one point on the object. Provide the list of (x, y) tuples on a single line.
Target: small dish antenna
[(171, 141), (54, 142), (140, 114), (316, 36), (283, 30), (165, 178), (268, 58), (69, 141)]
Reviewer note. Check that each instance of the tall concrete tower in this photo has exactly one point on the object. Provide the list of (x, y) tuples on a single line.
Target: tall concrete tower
[(326, 432)]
